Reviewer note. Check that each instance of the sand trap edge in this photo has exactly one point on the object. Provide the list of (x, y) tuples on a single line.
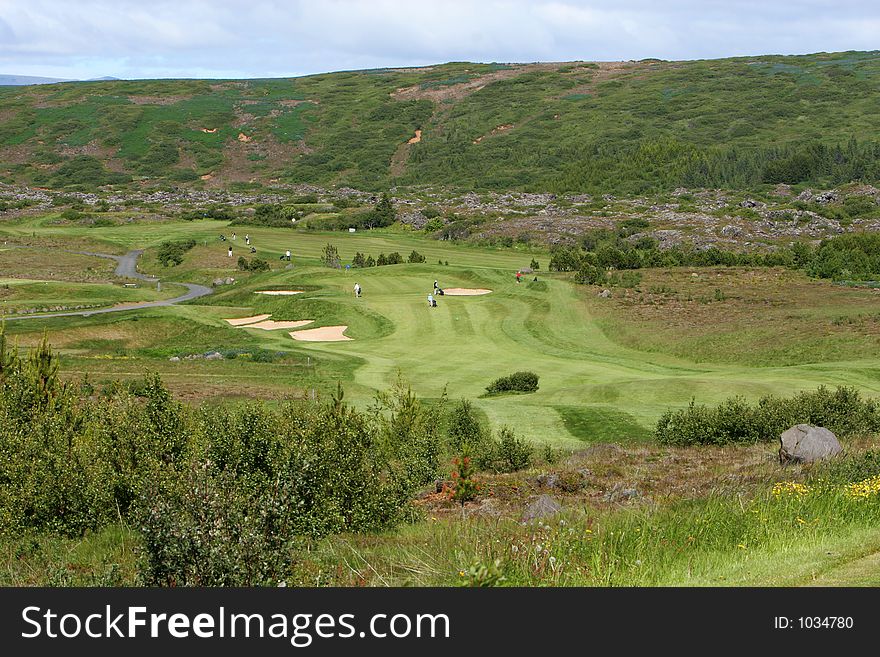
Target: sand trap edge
[(322, 334), (272, 325), (465, 291), (241, 321)]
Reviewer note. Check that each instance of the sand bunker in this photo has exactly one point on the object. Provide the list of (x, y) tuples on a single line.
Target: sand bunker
[(279, 293), (271, 325), (464, 291), (241, 321), (323, 334)]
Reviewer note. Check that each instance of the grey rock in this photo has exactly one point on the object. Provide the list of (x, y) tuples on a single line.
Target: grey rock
[(750, 203), (826, 197), (214, 355), (621, 493), (605, 294), (174, 359), (806, 195), (804, 443), (415, 219), (544, 506), (731, 231)]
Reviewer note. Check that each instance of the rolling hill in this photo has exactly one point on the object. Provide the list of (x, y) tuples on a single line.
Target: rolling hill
[(609, 127)]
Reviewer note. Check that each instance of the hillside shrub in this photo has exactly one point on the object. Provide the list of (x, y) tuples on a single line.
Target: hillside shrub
[(170, 254), (464, 427), (512, 453), (516, 382), (254, 265), (843, 411), (269, 479)]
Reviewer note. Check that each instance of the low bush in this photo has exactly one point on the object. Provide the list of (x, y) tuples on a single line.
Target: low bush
[(516, 382), (513, 453), (255, 265), (171, 253), (843, 411)]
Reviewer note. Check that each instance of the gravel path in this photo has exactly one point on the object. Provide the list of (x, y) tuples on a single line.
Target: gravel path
[(126, 267)]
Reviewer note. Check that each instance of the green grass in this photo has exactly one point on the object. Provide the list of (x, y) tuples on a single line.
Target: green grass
[(713, 541), (597, 384), (21, 294), (646, 125), (597, 424)]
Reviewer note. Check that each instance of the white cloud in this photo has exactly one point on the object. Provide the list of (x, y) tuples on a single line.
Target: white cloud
[(232, 38)]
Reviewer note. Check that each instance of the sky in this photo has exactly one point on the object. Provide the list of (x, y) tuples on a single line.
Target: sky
[(80, 39)]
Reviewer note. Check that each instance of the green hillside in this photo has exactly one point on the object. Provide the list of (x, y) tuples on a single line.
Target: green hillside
[(624, 127)]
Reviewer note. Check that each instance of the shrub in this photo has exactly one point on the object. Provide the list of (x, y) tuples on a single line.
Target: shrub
[(330, 257), (433, 225), (415, 257), (464, 485), (513, 453), (170, 254), (255, 265), (516, 382), (269, 478), (464, 427), (842, 411)]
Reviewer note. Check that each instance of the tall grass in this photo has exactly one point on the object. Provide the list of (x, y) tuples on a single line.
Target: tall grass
[(718, 539)]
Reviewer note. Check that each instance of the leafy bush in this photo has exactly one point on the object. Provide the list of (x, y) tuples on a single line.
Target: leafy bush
[(255, 265), (330, 257), (170, 254), (853, 256), (464, 486), (270, 478), (433, 225), (516, 382), (843, 411), (464, 427), (415, 257), (513, 453)]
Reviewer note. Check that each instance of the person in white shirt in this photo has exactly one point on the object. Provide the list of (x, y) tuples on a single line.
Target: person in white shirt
[(357, 289)]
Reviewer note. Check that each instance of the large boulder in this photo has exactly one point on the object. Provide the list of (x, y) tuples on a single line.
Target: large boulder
[(543, 506), (804, 443)]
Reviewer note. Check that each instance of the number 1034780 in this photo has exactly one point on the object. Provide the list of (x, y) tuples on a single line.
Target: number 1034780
[(813, 623)]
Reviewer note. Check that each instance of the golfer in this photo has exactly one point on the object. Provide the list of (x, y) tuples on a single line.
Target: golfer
[(357, 289)]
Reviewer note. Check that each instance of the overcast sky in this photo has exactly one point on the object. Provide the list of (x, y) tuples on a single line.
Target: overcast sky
[(272, 38)]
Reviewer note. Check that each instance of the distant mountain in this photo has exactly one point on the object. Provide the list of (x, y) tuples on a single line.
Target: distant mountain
[(21, 80)]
